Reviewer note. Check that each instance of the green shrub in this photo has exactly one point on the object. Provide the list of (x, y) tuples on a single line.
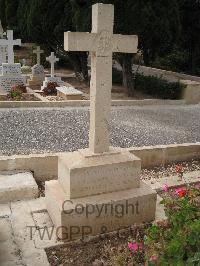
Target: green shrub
[(175, 61), (177, 242), (158, 87), (172, 242), (17, 91)]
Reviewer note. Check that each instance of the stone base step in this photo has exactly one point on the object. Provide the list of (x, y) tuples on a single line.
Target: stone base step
[(17, 186)]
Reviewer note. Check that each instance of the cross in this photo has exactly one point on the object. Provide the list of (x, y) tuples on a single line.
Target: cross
[(101, 42), (38, 52), (52, 59), (10, 43)]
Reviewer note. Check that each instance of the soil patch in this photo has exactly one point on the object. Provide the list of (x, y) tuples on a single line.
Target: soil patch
[(24, 97)]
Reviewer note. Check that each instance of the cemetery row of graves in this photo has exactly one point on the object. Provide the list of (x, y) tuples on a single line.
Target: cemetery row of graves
[(101, 205), (21, 82)]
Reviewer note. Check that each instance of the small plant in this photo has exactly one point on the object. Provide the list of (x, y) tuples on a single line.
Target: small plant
[(50, 89), (179, 170), (26, 69), (177, 240), (174, 241), (17, 91)]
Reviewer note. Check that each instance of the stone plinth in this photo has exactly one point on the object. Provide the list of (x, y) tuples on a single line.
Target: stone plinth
[(37, 77), (11, 75), (191, 93), (69, 93), (92, 182), (93, 215)]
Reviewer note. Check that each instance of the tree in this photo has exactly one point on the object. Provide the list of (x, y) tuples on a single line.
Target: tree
[(190, 21)]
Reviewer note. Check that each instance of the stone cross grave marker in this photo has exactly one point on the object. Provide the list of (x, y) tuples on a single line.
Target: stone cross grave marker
[(52, 59), (38, 52), (102, 176), (10, 43), (101, 42)]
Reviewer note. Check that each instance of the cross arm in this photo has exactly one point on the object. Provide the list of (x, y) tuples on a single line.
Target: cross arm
[(125, 43), (18, 42), (79, 41)]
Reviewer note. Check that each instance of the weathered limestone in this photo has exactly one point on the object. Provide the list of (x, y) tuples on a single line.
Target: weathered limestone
[(98, 189), (98, 214), (17, 186), (37, 77), (38, 74), (82, 176), (69, 93), (101, 43), (191, 93)]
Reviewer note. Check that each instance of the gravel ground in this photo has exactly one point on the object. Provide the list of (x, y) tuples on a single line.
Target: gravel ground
[(169, 170), (24, 131)]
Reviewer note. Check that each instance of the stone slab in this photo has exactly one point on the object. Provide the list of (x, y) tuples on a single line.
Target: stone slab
[(9, 251), (118, 210), (5, 210), (174, 181), (42, 219), (69, 93), (24, 235), (83, 176), (17, 186)]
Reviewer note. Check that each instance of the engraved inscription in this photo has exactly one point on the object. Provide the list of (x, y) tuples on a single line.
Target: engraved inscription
[(104, 43)]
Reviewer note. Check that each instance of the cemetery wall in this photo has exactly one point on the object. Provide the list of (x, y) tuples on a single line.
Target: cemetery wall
[(45, 166), (77, 103), (165, 74)]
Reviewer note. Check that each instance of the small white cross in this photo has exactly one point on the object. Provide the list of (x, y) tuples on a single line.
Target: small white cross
[(9, 42), (38, 52), (52, 59)]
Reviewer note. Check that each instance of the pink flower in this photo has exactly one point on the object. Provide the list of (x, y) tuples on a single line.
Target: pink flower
[(179, 168), (133, 246), (153, 258), (165, 188), (181, 192)]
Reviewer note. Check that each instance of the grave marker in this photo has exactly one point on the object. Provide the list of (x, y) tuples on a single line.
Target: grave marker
[(101, 43), (10, 43), (101, 177), (52, 59), (38, 52)]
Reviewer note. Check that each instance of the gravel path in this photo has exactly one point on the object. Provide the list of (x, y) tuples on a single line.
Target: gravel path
[(24, 131)]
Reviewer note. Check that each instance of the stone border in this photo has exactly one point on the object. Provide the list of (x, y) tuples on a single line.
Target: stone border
[(77, 103), (45, 166)]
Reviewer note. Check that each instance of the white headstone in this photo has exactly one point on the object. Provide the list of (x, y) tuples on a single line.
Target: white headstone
[(101, 43), (11, 75), (38, 52), (10, 43), (52, 59)]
